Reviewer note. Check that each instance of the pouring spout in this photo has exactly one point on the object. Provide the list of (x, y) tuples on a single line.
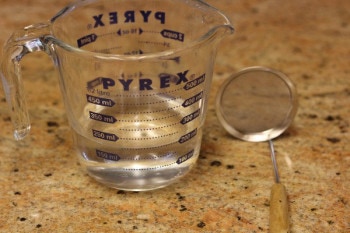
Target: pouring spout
[(217, 33), (224, 30), (218, 23)]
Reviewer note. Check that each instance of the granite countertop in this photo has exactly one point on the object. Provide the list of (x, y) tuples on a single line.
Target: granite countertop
[(44, 188)]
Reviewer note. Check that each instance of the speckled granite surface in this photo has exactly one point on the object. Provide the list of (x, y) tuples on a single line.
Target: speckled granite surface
[(44, 189)]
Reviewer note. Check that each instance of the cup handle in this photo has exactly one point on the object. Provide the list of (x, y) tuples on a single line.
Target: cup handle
[(28, 40)]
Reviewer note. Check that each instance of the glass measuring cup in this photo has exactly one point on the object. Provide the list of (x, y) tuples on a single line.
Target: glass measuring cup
[(134, 76)]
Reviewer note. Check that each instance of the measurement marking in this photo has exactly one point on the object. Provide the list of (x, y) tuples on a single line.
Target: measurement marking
[(107, 50), (193, 100), (148, 103), (151, 148), (105, 136), (155, 128), (107, 155), (185, 157), (102, 118), (150, 138), (149, 112), (194, 83), (108, 34), (179, 161), (165, 44), (86, 40), (129, 31), (151, 168), (100, 101), (150, 157), (147, 31), (190, 117), (149, 120), (188, 136), (173, 35), (148, 95)]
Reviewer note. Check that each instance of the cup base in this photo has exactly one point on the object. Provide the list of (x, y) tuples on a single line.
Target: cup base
[(136, 180)]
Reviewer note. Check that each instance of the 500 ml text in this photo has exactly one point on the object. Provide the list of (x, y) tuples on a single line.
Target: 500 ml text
[(128, 17)]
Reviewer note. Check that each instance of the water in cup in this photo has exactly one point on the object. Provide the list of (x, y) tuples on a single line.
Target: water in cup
[(129, 150)]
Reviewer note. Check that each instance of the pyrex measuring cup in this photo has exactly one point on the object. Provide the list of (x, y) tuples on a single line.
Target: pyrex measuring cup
[(135, 77)]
